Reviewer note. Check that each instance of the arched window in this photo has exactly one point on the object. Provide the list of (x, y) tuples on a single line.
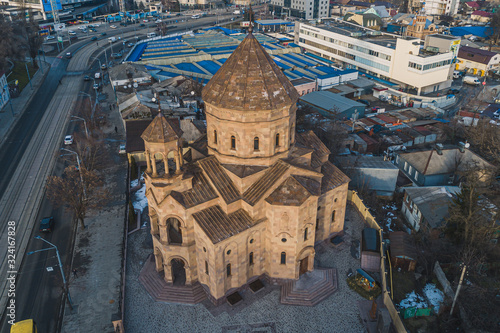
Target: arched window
[(256, 143), (283, 258), (215, 136), (228, 270), (206, 267), (233, 142), (305, 234), (250, 258), (277, 139)]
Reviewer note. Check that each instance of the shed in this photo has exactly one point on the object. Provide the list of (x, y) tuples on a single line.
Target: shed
[(332, 105), (402, 251), (370, 250)]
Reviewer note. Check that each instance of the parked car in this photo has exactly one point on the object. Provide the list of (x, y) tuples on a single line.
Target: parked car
[(130, 45), (47, 224), (50, 37), (116, 55), (103, 34), (96, 86), (122, 149), (453, 91), (471, 80), (142, 25), (68, 140), (104, 67), (71, 32), (97, 75), (68, 55), (86, 78), (93, 38), (112, 26), (364, 101)]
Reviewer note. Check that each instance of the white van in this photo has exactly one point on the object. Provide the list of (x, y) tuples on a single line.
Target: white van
[(112, 39), (151, 35), (471, 80)]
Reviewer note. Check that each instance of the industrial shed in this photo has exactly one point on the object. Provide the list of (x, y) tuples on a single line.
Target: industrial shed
[(370, 250)]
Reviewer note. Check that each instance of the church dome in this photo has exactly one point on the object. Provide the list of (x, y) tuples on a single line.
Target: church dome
[(249, 80)]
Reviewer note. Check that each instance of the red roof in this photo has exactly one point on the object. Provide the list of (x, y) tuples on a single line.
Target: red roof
[(482, 13), (472, 4), (469, 114), (387, 119), (366, 138)]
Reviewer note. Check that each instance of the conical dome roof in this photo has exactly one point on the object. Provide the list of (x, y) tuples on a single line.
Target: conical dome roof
[(161, 130), (250, 80)]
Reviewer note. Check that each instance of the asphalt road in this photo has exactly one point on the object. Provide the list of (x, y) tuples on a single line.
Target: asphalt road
[(38, 291)]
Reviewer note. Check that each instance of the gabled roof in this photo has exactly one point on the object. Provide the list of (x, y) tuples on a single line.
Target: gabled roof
[(472, 4), (200, 192), (161, 130), (255, 192), (293, 192), (481, 13), (134, 130), (333, 177), (220, 180), (249, 80), (219, 226), (432, 201), (310, 140), (429, 162)]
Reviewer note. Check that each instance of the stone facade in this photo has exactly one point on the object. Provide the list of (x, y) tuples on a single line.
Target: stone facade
[(255, 198)]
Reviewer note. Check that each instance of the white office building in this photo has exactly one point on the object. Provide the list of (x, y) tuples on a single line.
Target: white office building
[(435, 7), (306, 9), (401, 62)]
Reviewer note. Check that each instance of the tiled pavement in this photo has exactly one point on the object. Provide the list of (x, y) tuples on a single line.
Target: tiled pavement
[(338, 313)]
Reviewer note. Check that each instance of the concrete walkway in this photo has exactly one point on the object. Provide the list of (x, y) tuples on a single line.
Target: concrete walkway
[(98, 255), (10, 115)]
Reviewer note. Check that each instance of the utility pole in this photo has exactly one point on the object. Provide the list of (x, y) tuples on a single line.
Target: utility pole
[(458, 290)]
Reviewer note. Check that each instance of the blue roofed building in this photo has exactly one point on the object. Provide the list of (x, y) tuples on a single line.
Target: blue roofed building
[(332, 105)]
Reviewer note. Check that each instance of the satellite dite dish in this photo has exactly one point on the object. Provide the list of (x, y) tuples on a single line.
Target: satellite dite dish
[(135, 85), (130, 86), (153, 100)]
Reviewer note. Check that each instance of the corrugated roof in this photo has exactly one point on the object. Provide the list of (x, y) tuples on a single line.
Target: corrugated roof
[(329, 101)]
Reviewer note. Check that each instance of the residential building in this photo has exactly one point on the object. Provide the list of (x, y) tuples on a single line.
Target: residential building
[(304, 85), (481, 16), (372, 173), (333, 105), (441, 7), (442, 166), (398, 60), (367, 20), (427, 206), (477, 61), (255, 205), (306, 9)]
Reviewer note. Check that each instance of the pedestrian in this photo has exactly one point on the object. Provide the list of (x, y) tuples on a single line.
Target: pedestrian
[(109, 107), (75, 272), (116, 129), (97, 43)]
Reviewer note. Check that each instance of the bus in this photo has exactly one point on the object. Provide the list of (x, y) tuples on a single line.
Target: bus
[(24, 326)]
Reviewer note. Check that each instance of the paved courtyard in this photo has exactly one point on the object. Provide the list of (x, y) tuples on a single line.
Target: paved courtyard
[(338, 313)]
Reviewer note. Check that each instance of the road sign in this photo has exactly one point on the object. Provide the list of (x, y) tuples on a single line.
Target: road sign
[(59, 39), (484, 83)]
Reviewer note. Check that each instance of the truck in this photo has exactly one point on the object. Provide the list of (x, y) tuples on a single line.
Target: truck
[(472, 80), (112, 39)]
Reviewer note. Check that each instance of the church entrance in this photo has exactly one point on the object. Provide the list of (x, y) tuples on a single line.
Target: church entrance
[(178, 272), (303, 265), (174, 231)]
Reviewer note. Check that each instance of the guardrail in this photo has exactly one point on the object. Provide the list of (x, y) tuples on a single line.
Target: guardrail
[(356, 201)]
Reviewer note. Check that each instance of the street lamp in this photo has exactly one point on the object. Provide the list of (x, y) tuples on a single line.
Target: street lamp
[(53, 247), (79, 169), (90, 97), (100, 65), (105, 54), (85, 123)]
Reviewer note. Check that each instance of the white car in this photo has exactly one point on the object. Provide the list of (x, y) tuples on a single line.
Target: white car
[(71, 32), (96, 25), (82, 27), (122, 149), (158, 21), (50, 37), (68, 140), (112, 26)]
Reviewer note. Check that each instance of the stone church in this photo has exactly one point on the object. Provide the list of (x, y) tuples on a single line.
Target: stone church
[(249, 200)]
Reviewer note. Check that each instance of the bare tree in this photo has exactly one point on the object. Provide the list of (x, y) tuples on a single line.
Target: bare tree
[(11, 45), (32, 39), (485, 139), (80, 190)]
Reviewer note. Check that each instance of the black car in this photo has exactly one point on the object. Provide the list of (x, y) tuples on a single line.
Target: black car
[(364, 101), (47, 224), (93, 38), (86, 78), (142, 25), (103, 34)]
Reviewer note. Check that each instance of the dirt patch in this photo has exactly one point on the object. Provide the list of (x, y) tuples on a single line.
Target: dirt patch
[(83, 241), (81, 262)]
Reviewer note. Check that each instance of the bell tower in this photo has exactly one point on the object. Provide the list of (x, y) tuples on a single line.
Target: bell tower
[(250, 108)]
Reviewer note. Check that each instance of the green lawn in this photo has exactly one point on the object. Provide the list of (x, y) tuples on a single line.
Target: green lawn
[(19, 73)]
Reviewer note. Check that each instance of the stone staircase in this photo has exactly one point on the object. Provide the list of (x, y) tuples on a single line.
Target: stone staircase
[(161, 291), (311, 288)]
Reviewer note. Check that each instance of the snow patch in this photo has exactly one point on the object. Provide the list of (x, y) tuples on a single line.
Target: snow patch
[(432, 297), (139, 200)]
